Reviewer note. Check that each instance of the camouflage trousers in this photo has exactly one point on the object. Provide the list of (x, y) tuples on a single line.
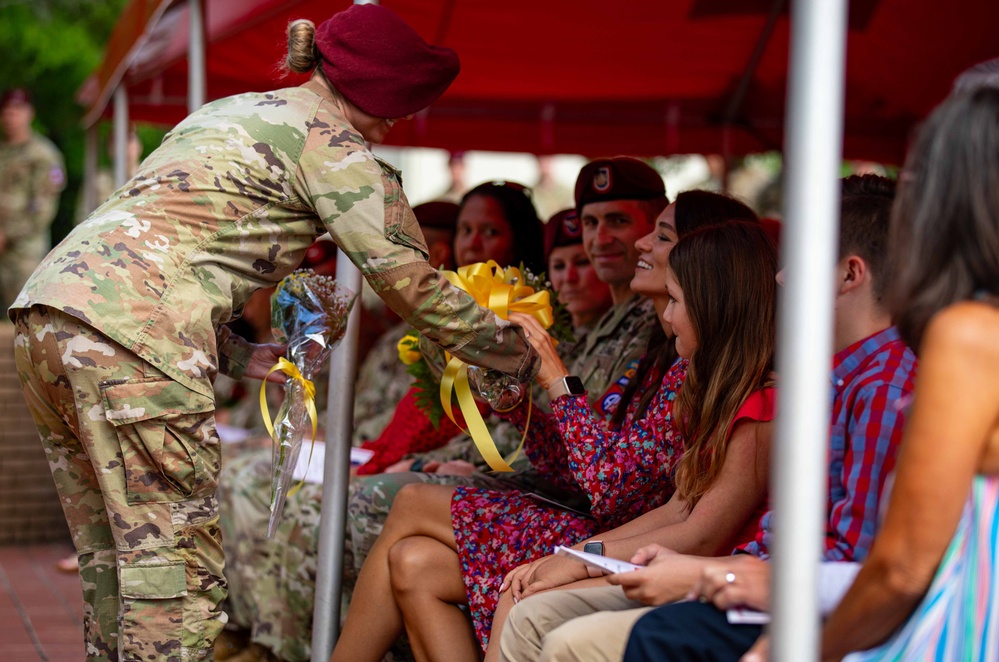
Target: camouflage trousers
[(135, 459)]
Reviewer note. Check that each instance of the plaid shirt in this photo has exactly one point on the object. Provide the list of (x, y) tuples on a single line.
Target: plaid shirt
[(871, 384)]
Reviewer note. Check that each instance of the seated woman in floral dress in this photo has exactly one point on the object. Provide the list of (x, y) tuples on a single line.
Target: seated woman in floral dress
[(444, 547)]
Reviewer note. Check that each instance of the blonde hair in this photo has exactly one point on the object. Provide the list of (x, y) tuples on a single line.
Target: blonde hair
[(302, 55)]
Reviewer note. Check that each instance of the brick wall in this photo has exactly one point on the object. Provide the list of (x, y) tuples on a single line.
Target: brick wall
[(29, 505)]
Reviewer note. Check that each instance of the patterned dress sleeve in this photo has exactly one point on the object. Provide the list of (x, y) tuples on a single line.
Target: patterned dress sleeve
[(543, 445), (614, 467)]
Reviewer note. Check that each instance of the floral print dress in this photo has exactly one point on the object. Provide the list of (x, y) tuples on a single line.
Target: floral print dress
[(625, 472)]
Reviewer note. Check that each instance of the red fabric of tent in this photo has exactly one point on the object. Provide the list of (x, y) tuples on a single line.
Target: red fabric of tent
[(579, 76)]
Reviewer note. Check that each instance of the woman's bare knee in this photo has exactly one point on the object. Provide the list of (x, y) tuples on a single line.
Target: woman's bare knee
[(421, 509)]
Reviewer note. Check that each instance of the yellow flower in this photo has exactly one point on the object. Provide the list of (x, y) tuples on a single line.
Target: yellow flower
[(408, 348)]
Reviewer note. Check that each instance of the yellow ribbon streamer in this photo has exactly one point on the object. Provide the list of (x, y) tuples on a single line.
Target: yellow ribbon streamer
[(503, 292), (289, 368)]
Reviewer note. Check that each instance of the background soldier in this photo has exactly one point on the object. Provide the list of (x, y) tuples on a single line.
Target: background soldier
[(31, 177)]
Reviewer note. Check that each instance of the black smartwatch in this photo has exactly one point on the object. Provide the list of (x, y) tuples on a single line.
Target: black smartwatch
[(568, 385), (594, 547)]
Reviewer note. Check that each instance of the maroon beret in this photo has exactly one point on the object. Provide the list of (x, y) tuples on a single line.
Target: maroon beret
[(562, 229), (15, 95), (618, 178), (438, 214), (380, 64)]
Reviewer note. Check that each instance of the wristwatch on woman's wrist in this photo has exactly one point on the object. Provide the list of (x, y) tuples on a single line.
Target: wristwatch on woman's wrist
[(568, 385)]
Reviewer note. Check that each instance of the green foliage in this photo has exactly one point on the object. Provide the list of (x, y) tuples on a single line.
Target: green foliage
[(561, 329), (426, 385), (50, 47)]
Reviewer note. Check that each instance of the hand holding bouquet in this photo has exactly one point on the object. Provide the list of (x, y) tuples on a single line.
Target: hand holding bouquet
[(308, 312)]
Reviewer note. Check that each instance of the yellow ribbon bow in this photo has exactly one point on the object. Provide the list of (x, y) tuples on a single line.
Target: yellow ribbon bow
[(503, 292), (289, 368)]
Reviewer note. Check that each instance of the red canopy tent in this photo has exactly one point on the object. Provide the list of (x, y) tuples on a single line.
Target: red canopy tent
[(579, 76)]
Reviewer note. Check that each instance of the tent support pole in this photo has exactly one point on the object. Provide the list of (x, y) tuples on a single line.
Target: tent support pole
[(739, 95), (336, 474), (89, 200), (813, 142), (120, 136), (196, 55)]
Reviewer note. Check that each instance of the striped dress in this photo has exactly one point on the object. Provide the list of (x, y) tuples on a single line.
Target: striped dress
[(958, 619)]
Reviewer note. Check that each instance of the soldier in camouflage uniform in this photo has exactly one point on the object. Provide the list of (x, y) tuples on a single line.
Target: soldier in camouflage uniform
[(119, 328), (31, 178)]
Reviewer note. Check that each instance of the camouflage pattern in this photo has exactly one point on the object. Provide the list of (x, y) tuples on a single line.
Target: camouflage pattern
[(618, 340), (229, 203), (371, 497), (381, 382), (32, 175), (271, 582), (135, 459)]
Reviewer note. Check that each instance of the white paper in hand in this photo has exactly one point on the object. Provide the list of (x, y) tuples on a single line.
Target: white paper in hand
[(605, 563), (743, 616)]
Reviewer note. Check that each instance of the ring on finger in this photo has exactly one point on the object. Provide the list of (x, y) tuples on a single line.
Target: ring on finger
[(730, 578)]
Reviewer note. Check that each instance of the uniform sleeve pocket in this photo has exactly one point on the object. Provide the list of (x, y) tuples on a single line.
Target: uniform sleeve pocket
[(169, 446), (401, 225)]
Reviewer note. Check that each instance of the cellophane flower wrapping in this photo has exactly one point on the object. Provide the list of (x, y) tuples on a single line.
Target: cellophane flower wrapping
[(504, 392), (309, 312)]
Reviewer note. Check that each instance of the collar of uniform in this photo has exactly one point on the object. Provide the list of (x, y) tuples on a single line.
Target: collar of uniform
[(326, 95), (323, 91)]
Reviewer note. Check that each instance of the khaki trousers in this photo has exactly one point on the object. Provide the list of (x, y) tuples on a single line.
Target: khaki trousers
[(588, 624)]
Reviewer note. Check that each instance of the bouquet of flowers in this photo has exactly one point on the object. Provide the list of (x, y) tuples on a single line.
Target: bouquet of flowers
[(503, 392), (425, 382), (308, 312), (502, 291)]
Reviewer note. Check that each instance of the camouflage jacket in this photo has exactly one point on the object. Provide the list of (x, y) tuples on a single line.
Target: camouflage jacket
[(382, 381), (613, 347), (229, 203), (31, 177)]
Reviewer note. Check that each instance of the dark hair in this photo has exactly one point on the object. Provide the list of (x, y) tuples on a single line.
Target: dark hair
[(697, 209), (865, 216), (653, 207), (728, 276), (694, 210), (945, 224), (518, 210)]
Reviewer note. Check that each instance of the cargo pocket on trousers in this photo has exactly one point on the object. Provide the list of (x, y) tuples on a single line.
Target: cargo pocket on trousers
[(152, 621), (170, 449)]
